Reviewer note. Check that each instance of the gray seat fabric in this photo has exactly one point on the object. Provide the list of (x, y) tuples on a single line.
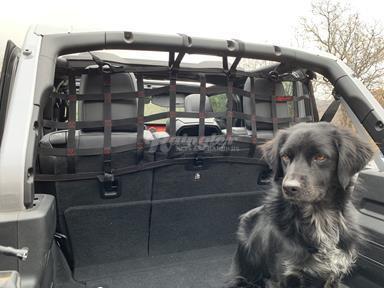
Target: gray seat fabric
[(192, 103), (93, 110), (264, 88)]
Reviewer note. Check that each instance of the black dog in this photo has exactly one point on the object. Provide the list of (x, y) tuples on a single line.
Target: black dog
[(305, 234)]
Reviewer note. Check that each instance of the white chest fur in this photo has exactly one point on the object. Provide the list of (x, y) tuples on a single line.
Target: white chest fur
[(330, 259)]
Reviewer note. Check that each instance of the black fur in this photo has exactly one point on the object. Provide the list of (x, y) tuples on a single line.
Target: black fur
[(305, 234)]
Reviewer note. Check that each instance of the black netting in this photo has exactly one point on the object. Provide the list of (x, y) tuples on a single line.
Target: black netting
[(174, 71)]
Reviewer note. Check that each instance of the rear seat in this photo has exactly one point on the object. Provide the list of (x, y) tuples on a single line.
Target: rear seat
[(189, 126), (102, 230), (192, 103), (265, 89)]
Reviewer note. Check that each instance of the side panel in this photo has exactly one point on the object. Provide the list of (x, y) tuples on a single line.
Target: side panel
[(18, 127), (370, 271), (33, 228)]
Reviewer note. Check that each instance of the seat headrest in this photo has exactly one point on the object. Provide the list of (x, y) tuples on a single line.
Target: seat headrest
[(93, 110), (192, 103), (264, 89)]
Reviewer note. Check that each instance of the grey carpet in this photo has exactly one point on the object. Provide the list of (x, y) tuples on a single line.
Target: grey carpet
[(204, 268)]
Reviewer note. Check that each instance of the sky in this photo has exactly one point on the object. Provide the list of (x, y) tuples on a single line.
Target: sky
[(248, 20)]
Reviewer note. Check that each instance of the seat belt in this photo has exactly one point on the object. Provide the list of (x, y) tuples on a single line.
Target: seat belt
[(331, 110)]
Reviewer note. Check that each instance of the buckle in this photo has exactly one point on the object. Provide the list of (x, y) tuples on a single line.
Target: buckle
[(109, 187)]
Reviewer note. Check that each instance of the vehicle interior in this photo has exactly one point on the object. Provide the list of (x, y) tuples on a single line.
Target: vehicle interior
[(150, 163)]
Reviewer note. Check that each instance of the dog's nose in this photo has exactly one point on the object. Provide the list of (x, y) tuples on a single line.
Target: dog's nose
[(291, 187)]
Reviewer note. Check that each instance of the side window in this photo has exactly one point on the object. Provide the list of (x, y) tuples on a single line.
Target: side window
[(11, 57)]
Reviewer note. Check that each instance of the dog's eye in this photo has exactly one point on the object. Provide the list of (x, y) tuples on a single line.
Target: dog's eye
[(319, 157), (285, 157)]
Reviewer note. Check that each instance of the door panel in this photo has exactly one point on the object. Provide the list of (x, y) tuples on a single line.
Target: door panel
[(370, 270)]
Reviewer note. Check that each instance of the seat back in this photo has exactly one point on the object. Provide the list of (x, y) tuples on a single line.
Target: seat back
[(192, 103), (93, 110), (265, 89)]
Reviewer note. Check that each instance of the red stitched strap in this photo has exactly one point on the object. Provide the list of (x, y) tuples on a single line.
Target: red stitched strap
[(71, 152), (283, 98), (108, 97), (107, 150), (71, 124), (108, 123), (71, 142), (107, 116), (72, 98), (140, 93), (202, 104), (140, 119), (172, 88)]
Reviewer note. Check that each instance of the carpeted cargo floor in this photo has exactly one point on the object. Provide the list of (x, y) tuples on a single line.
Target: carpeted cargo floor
[(203, 268), (197, 268)]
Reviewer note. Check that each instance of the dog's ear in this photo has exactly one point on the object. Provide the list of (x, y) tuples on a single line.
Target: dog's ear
[(354, 155), (271, 153)]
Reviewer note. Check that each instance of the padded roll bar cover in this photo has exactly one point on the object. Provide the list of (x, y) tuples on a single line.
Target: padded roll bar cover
[(192, 103), (264, 88), (93, 110)]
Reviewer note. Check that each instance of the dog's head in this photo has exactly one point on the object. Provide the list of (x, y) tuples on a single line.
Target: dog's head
[(309, 159)]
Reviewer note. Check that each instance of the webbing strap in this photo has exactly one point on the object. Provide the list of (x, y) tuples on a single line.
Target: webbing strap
[(312, 101), (172, 114), (147, 166), (107, 111), (274, 110), (176, 63), (225, 64), (234, 65), (229, 115), (171, 59), (163, 115), (252, 149), (71, 142), (172, 107), (140, 119), (202, 116), (241, 47), (295, 103), (184, 89), (331, 110)]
